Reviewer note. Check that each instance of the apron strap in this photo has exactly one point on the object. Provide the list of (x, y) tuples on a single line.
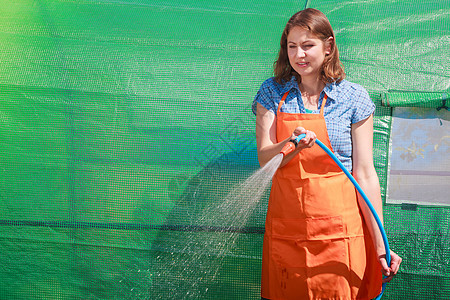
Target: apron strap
[(282, 101), (324, 100)]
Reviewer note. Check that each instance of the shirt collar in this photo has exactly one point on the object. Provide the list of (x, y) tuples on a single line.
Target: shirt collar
[(330, 89), (291, 84)]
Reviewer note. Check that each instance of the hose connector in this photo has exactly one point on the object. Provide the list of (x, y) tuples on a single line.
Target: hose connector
[(291, 145)]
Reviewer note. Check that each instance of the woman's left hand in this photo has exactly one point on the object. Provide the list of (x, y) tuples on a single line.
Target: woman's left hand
[(391, 271)]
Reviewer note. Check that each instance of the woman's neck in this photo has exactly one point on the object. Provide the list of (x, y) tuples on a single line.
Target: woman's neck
[(311, 90), (311, 86)]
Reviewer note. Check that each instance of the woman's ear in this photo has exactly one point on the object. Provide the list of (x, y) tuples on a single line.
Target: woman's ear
[(328, 44)]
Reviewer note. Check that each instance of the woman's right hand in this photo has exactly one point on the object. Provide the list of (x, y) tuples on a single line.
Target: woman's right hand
[(308, 141)]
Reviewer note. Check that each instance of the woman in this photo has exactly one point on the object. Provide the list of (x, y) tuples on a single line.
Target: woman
[(317, 244)]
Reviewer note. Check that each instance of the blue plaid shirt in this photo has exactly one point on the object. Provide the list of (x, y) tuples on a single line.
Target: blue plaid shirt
[(347, 103)]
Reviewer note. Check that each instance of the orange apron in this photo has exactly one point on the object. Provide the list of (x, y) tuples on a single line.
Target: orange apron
[(316, 244)]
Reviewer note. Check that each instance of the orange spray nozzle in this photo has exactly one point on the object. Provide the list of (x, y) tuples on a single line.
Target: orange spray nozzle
[(288, 148)]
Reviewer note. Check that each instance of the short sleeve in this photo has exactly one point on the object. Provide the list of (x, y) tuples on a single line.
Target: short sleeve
[(364, 107), (264, 96)]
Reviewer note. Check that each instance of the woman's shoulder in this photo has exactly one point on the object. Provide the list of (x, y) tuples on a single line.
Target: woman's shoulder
[(349, 85), (346, 91), (272, 86), (357, 99), (270, 93)]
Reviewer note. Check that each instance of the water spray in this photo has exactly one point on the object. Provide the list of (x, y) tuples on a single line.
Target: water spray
[(292, 144)]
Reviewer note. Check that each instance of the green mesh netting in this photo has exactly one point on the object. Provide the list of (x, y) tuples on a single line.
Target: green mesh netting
[(123, 122), (416, 99)]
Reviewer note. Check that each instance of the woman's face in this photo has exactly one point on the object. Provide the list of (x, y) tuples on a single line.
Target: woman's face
[(306, 52)]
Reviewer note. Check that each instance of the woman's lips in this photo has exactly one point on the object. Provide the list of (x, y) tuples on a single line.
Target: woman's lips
[(302, 64)]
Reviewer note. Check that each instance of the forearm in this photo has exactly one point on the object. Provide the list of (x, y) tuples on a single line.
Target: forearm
[(268, 151), (371, 187), (265, 154), (266, 138)]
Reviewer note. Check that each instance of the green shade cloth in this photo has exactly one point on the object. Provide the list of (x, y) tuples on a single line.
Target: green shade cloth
[(125, 123), (415, 99)]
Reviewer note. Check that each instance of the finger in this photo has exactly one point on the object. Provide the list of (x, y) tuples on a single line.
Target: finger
[(313, 138), (299, 130), (388, 278), (310, 134), (384, 267), (311, 142), (395, 264), (308, 140)]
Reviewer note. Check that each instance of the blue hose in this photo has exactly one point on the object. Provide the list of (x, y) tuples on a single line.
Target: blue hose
[(361, 192)]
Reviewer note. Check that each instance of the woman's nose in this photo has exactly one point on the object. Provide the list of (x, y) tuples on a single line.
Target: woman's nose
[(300, 52)]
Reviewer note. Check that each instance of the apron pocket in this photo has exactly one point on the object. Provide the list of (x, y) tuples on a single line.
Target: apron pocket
[(309, 242)]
